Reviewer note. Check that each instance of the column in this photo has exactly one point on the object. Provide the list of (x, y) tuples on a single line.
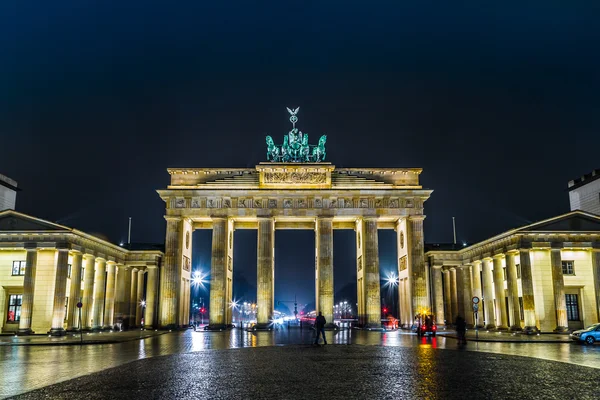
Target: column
[(558, 284), (460, 298), (218, 274), (28, 290), (89, 262), (133, 305), (453, 294), (488, 294), (139, 298), (229, 280), (596, 272), (265, 269), (360, 275), (529, 316), (324, 275), (500, 302), (170, 277), (418, 272), (122, 294), (109, 304), (438, 294), (74, 292), (99, 291), (448, 296), (467, 295), (151, 296), (60, 293), (513, 291), (371, 266), (476, 280)]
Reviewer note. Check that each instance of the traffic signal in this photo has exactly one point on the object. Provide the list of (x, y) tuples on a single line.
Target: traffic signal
[(202, 310), (385, 310)]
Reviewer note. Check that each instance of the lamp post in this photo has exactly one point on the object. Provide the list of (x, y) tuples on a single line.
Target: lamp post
[(143, 307)]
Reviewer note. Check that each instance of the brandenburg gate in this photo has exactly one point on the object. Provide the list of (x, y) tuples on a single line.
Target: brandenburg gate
[(295, 189)]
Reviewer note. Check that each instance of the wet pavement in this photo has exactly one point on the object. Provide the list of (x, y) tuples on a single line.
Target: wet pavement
[(34, 367), (77, 338)]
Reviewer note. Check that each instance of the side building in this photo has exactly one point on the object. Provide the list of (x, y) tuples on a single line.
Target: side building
[(8, 193), (541, 277), (584, 193), (46, 269)]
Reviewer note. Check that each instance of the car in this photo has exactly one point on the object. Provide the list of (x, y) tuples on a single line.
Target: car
[(588, 335), (425, 325)]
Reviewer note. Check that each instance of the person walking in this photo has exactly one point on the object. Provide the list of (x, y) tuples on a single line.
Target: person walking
[(461, 330), (320, 326)]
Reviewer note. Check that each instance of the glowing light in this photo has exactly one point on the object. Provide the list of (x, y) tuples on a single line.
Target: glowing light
[(199, 279), (391, 280), (143, 303)]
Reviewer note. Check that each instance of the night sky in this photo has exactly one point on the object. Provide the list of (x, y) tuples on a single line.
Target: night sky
[(498, 104)]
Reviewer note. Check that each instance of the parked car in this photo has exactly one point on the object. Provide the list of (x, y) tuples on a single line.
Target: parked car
[(588, 335)]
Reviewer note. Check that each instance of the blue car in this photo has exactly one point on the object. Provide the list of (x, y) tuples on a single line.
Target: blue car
[(588, 335)]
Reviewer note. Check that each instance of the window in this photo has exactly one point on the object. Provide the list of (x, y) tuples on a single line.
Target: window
[(572, 307), (568, 268), (18, 268), (82, 273), (14, 307), (518, 271), (66, 307), (504, 272), (69, 270)]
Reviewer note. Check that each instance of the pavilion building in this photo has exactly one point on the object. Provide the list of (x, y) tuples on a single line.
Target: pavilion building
[(46, 269), (541, 277)]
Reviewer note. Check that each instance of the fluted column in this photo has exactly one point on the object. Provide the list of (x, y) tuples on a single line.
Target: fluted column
[(123, 292), (558, 285), (488, 294), (60, 293), (218, 274), (151, 297), (28, 290), (529, 316), (513, 291), (89, 262), (265, 269), (596, 272), (324, 281), (501, 313), (476, 281), (467, 295), (109, 304), (460, 297), (438, 294), (372, 279), (454, 294), (139, 298), (170, 275), (74, 292), (133, 306), (420, 300), (448, 295), (99, 292)]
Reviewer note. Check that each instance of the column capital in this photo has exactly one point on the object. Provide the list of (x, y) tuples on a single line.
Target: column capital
[(111, 262), (171, 218), (476, 262), (437, 266), (499, 255), (524, 250), (30, 246), (416, 217), (512, 252), (152, 266)]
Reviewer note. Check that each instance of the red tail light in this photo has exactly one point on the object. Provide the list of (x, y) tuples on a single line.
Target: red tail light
[(434, 327), (423, 327)]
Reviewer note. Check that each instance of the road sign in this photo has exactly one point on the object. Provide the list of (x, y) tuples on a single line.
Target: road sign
[(475, 300), (475, 307), (79, 305)]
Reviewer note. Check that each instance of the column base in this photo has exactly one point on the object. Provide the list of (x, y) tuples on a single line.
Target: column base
[(263, 327), (561, 329), (490, 326), (531, 330), (470, 326), (516, 328), (502, 328), (215, 327), (57, 332), (24, 332)]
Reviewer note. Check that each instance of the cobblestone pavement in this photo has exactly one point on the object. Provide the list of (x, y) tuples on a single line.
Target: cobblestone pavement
[(496, 336), (33, 367), (333, 372)]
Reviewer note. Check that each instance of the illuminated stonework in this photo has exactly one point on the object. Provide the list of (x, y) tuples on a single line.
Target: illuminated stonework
[(544, 276), (273, 196)]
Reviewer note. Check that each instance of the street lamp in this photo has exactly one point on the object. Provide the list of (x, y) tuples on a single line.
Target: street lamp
[(143, 306)]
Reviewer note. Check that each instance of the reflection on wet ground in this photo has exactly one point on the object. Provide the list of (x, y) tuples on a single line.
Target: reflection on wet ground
[(35, 367)]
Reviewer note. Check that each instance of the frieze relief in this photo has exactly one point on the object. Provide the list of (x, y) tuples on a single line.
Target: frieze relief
[(310, 202)]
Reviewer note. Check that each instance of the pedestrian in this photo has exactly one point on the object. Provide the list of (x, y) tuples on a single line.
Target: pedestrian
[(461, 329), (320, 326)]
